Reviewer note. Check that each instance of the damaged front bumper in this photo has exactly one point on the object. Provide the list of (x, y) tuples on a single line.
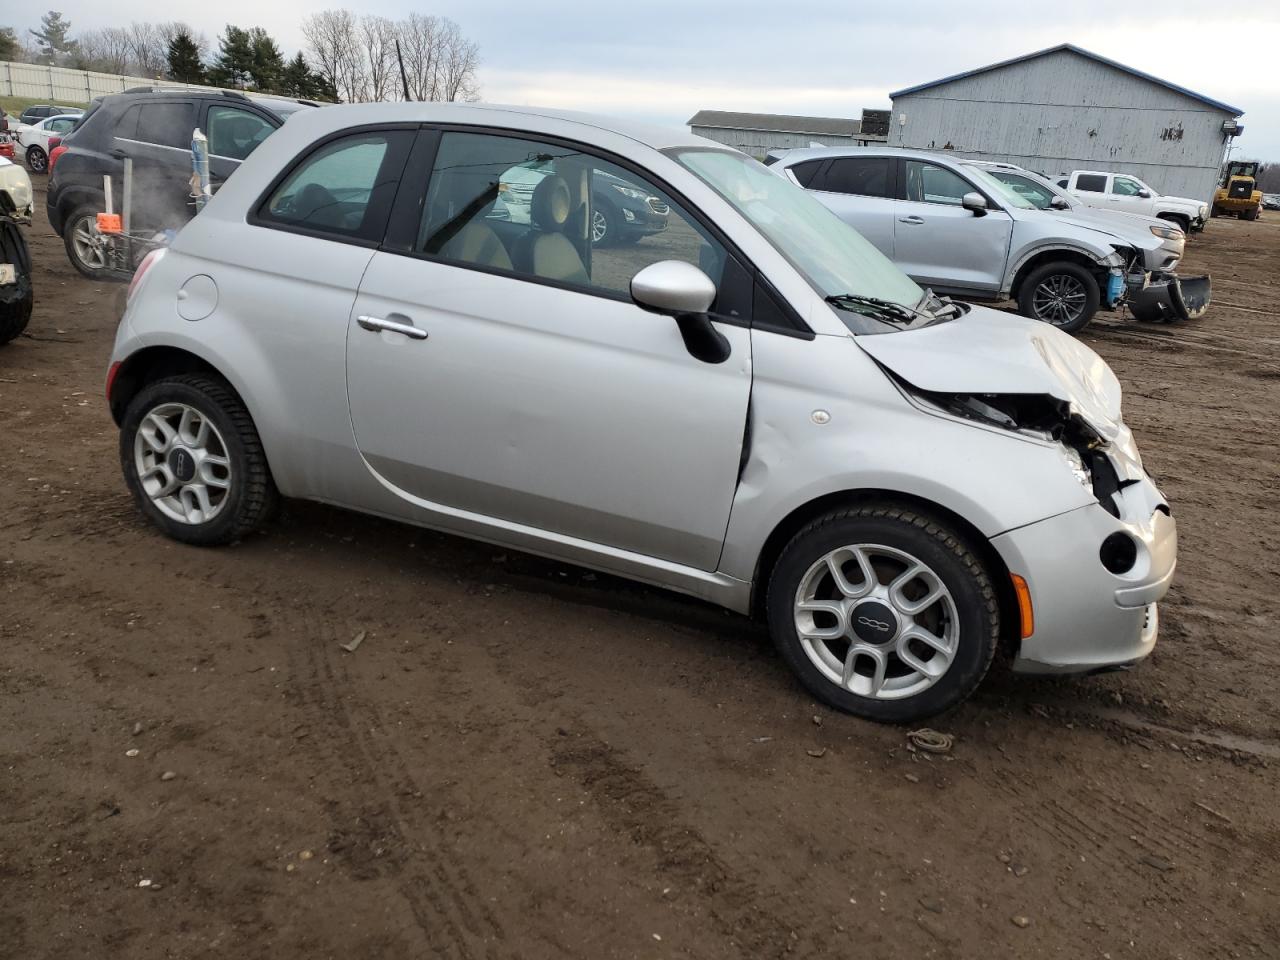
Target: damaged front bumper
[(1088, 618), (1171, 298)]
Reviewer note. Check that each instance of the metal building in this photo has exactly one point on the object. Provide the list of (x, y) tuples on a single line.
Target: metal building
[(1064, 109), (758, 133)]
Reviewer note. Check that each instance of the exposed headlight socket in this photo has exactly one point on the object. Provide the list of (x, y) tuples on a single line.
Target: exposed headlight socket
[(1119, 552)]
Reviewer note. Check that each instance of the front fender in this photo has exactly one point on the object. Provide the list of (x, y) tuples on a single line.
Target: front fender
[(875, 440)]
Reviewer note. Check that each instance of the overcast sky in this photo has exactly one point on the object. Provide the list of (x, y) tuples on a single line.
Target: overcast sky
[(662, 60)]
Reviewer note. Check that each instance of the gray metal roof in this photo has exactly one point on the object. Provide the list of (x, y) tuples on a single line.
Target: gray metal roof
[(1079, 51), (776, 123)]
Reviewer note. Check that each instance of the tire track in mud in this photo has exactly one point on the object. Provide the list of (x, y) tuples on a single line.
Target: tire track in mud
[(435, 885)]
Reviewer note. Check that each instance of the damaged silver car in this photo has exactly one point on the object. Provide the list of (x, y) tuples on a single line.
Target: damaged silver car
[(754, 406)]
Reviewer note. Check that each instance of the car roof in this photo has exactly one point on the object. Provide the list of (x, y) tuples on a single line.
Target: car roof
[(821, 153), (341, 116)]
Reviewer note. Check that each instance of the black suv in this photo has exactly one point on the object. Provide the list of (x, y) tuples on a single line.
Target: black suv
[(153, 127)]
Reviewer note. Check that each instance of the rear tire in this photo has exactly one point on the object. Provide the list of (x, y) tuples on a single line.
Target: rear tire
[(1062, 294), (193, 461), (37, 159), (79, 232), (874, 624)]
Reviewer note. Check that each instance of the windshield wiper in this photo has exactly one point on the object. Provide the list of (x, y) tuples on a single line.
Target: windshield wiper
[(882, 309)]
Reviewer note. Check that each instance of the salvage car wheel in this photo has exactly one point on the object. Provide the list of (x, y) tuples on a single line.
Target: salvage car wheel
[(37, 159), (883, 612), (193, 461), (85, 248), (1063, 294)]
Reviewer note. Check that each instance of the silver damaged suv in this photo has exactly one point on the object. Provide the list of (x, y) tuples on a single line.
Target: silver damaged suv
[(753, 406)]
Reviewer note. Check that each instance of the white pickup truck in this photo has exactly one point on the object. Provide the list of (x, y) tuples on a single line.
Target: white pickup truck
[(1121, 191)]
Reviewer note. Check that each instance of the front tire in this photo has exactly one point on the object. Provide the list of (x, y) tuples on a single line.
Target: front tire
[(1062, 294), (37, 159), (1182, 223), (883, 612), (604, 226), (193, 461)]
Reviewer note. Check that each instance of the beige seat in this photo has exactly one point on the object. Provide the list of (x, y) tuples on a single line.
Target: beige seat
[(477, 243), (545, 251)]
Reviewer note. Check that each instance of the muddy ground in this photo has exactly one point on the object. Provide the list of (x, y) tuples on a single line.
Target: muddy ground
[(526, 760)]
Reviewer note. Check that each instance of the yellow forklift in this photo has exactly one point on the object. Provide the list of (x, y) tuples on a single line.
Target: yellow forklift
[(1238, 191)]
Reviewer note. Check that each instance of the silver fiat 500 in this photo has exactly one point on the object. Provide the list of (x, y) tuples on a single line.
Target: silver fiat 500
[(753, 405)]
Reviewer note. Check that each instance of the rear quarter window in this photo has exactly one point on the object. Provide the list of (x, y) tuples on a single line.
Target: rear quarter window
[(805, 172)]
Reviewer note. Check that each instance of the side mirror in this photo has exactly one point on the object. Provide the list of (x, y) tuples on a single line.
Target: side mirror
[(1060, 203), (975, 202), (681, 290), (1145, 194)]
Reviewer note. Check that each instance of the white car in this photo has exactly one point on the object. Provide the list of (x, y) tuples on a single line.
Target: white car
[(1126, 193), (33, 138)]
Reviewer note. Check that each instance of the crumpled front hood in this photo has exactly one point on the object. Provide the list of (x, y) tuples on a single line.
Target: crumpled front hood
[(989, 351)]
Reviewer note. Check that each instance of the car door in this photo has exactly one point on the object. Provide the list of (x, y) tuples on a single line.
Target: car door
[(156, 134), (860, 191), (234, 132), (1125, 194), (1091, 188), (937, 242), (506, 377)]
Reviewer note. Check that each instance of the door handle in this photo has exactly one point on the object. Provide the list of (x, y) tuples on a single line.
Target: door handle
[(378, 323), (911, 220)]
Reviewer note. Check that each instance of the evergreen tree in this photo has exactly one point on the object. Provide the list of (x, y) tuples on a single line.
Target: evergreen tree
[(10, 48), (296, 79), (266, 62), (234, 62), (51, 37), (184, 59)]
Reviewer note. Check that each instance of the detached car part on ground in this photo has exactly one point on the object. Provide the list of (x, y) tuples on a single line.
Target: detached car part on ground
[(16, 296), (754, 406), (953, 227), (1165, 296)]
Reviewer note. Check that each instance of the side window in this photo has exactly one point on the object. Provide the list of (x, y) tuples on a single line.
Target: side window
[(166, 124), (1092, 182), (235, 133), (343, 188), (927, 183), (863, 176), (127, 125), (1125, 186), (805, 172), (555, 213)]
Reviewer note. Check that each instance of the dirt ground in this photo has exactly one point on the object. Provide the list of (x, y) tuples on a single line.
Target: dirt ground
[(526, 760)]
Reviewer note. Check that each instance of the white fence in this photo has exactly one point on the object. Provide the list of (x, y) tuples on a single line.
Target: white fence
[(33, 80)]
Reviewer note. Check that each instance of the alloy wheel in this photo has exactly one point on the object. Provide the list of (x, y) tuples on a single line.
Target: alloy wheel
[(1059, 299), (599, 226), (876, 621), (182, 463), (88, 243)]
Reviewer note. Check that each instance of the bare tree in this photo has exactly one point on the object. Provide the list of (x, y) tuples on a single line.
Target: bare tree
[(333, 37), (148, 50), (106, 50), (459, 58), (379, 35)]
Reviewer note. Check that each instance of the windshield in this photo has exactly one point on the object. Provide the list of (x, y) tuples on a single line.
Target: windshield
[(1040, 195), (1003, 192), (829, 253)]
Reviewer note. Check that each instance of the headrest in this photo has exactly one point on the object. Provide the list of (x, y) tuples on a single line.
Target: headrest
[(551, 204)]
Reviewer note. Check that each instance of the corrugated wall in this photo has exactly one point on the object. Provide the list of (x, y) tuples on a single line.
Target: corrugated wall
[(58, 84), (1063, 112)]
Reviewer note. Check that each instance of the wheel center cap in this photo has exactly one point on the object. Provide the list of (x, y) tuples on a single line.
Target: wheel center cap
[(873, 622), (182, 463)]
